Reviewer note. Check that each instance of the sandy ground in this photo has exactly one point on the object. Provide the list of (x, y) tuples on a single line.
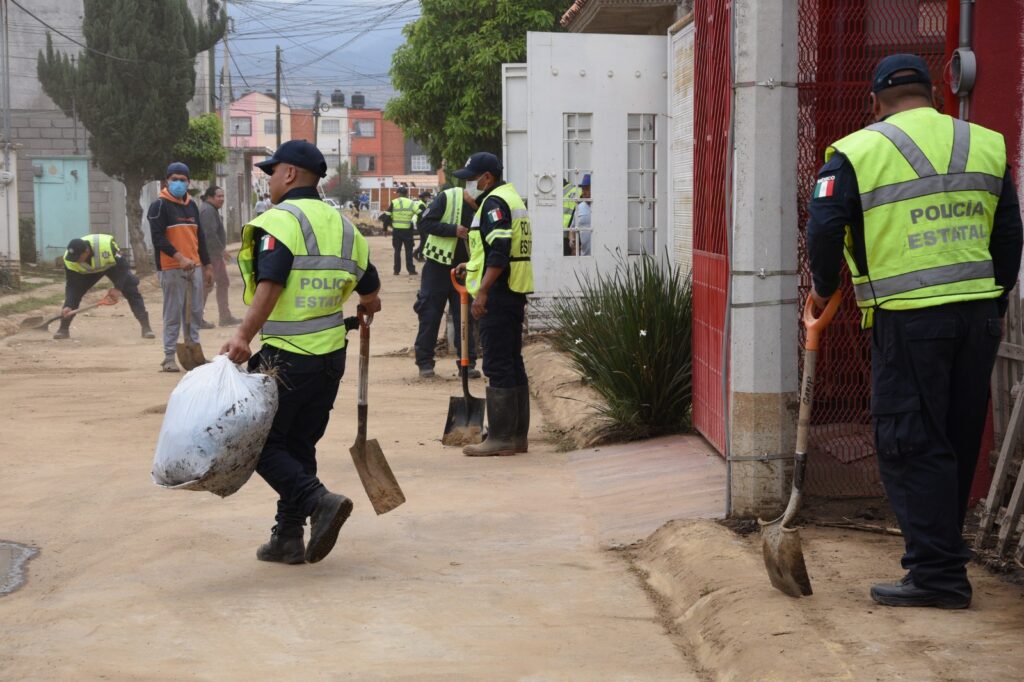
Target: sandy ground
[(490, 571)]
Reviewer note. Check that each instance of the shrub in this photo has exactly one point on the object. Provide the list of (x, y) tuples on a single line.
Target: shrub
[(27, 239), (628, 334)]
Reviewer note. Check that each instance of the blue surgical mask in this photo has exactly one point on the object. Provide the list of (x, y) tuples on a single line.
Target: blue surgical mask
[(177, 188)]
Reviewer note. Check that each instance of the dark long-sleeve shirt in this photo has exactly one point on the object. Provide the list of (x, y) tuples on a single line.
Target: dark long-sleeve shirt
[(430, 224), (181, 216), (212, 228), (830, 216)]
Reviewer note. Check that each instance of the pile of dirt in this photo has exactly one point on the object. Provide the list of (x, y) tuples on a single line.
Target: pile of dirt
[(715, 600), (568, 404)]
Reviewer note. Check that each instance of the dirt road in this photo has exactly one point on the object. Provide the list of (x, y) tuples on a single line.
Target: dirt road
[(489, 571)]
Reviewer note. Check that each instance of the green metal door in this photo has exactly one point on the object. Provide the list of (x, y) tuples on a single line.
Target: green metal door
[(61, 188)]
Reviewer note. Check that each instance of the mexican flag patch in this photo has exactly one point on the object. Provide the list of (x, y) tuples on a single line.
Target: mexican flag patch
[(495, 215), (824, 187), (267, 243)]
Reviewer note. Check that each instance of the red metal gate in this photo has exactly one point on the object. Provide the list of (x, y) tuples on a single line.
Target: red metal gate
[(840, 42), (712, 100)]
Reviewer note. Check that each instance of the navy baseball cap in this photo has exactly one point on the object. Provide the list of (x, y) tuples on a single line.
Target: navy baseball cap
[(478, 164), (178, 168), (76, 247), (298, 153), (895, 63)]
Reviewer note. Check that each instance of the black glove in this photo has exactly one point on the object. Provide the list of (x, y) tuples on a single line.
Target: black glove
[(351, 323)]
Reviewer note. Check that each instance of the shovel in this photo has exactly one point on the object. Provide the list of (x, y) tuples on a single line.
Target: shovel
[(190, 353), (380, 484), (37, 321), (465, 423), (780, 544)]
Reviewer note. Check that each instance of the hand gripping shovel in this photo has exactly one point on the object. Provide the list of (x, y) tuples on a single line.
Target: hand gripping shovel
[(465, 423), (783, 556), (190, 353), (37, 321), (380, 484)]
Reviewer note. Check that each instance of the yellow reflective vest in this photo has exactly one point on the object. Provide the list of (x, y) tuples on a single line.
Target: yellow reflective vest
[(929, 185), (104, 249), (330, 257), (442, 249), (571, 195), (402, 211), (520, 277)]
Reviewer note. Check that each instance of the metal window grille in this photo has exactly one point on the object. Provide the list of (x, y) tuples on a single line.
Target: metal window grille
[(577, 150), (640, 184)]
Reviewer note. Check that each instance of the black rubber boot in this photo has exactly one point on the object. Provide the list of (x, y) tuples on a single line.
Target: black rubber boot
[(64, 331), (502, 418), (147, 331), (523, 424), (329, 515), (285, 546)]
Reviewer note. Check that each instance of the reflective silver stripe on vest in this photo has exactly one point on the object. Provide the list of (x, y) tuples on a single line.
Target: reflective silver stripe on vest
[(943, 274), (327, 263), (518, 213), (307, 230), (348, 239), (933, 184), (906, 146), (94, 243), (961, 146), (317, 324), (476, 221)]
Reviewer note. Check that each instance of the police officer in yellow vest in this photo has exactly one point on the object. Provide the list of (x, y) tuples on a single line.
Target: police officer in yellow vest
[(925, 210), (403, 211), (86, 261), (300, 262), (499, 275), (571, 195), (446, 223)]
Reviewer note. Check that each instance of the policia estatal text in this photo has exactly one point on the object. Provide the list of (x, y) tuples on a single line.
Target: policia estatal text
[(926, 212), (300, 262)]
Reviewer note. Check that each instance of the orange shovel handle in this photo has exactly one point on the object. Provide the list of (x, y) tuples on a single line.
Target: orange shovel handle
[(463, 291), (816, 324)]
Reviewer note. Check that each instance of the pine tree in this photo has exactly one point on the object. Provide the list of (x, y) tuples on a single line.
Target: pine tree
[(131, 88)]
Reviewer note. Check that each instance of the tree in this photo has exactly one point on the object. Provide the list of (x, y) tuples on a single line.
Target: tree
[(200, 148), (130, 88), (448, 72), (344, 186)]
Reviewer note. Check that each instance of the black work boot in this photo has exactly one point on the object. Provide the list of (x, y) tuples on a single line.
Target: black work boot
[(329, 515), (502, 418), (64, 331), (285, 546), (523, 425), (147, 331), (906, 593)]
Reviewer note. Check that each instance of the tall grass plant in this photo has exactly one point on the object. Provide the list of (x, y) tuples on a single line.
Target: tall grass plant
[(627, 334)]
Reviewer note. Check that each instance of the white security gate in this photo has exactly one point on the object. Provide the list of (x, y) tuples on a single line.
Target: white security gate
[(596, 110)]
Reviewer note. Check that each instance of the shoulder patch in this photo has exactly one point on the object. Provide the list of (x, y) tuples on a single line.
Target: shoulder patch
[(825, 187)]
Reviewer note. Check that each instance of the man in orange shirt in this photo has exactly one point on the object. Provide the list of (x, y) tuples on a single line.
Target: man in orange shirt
[(179, 248)]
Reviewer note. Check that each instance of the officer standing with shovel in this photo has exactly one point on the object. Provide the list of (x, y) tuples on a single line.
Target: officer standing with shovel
[(300, 262)]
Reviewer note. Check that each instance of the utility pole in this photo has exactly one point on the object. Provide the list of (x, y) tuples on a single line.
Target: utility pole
[(211, 55), (277, 91), (316, 117)]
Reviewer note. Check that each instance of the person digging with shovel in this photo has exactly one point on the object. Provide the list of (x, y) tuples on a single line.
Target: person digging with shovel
[(300, 262), (86, 261)]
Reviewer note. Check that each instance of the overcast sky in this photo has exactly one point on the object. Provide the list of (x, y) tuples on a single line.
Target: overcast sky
[(326, 44)]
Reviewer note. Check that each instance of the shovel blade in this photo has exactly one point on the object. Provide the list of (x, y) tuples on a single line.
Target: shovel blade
[(190, 355), (376, 476), (465, 423), (784, 559), (34, 322)]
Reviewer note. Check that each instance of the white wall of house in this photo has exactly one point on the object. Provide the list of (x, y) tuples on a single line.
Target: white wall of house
[(333, 138), (680, 92)]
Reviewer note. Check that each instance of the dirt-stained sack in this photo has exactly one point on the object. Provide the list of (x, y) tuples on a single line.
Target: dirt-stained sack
[(216, 423)]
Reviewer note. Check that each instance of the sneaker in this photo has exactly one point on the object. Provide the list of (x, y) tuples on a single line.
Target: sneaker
[(427, 373), (62, 334), (329, 515), (147, 333), (207, 325), (906, 593), (229, 321), (169, 365)]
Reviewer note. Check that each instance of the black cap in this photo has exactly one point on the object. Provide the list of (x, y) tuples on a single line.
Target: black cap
[(76, 247), (478, 164), (298, 153), (895, 63)]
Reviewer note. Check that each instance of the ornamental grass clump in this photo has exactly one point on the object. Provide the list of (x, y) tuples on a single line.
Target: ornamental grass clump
[(627, 334)]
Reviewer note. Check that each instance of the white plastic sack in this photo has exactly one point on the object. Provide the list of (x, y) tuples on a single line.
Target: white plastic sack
[(216, 423)]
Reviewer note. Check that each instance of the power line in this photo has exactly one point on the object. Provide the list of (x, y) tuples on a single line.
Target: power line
[(67, 37)]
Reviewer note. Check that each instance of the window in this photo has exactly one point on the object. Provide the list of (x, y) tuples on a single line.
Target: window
[(640, 177), (270, 126), (364, 128), (241, 125), (330, 126), (420, 163), (366, 163), (332, 161), (577, 146)]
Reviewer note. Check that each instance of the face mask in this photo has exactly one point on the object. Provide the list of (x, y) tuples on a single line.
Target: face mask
[(177, 188)]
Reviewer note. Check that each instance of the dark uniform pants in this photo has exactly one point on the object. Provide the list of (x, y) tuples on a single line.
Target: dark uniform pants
[(930, 374), (307, 386), (501, 334), (436, 291), (403, 239), (121, 276)]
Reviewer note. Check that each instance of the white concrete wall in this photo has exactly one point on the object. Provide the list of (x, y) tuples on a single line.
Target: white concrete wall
[(681, 64), (9, 251)]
